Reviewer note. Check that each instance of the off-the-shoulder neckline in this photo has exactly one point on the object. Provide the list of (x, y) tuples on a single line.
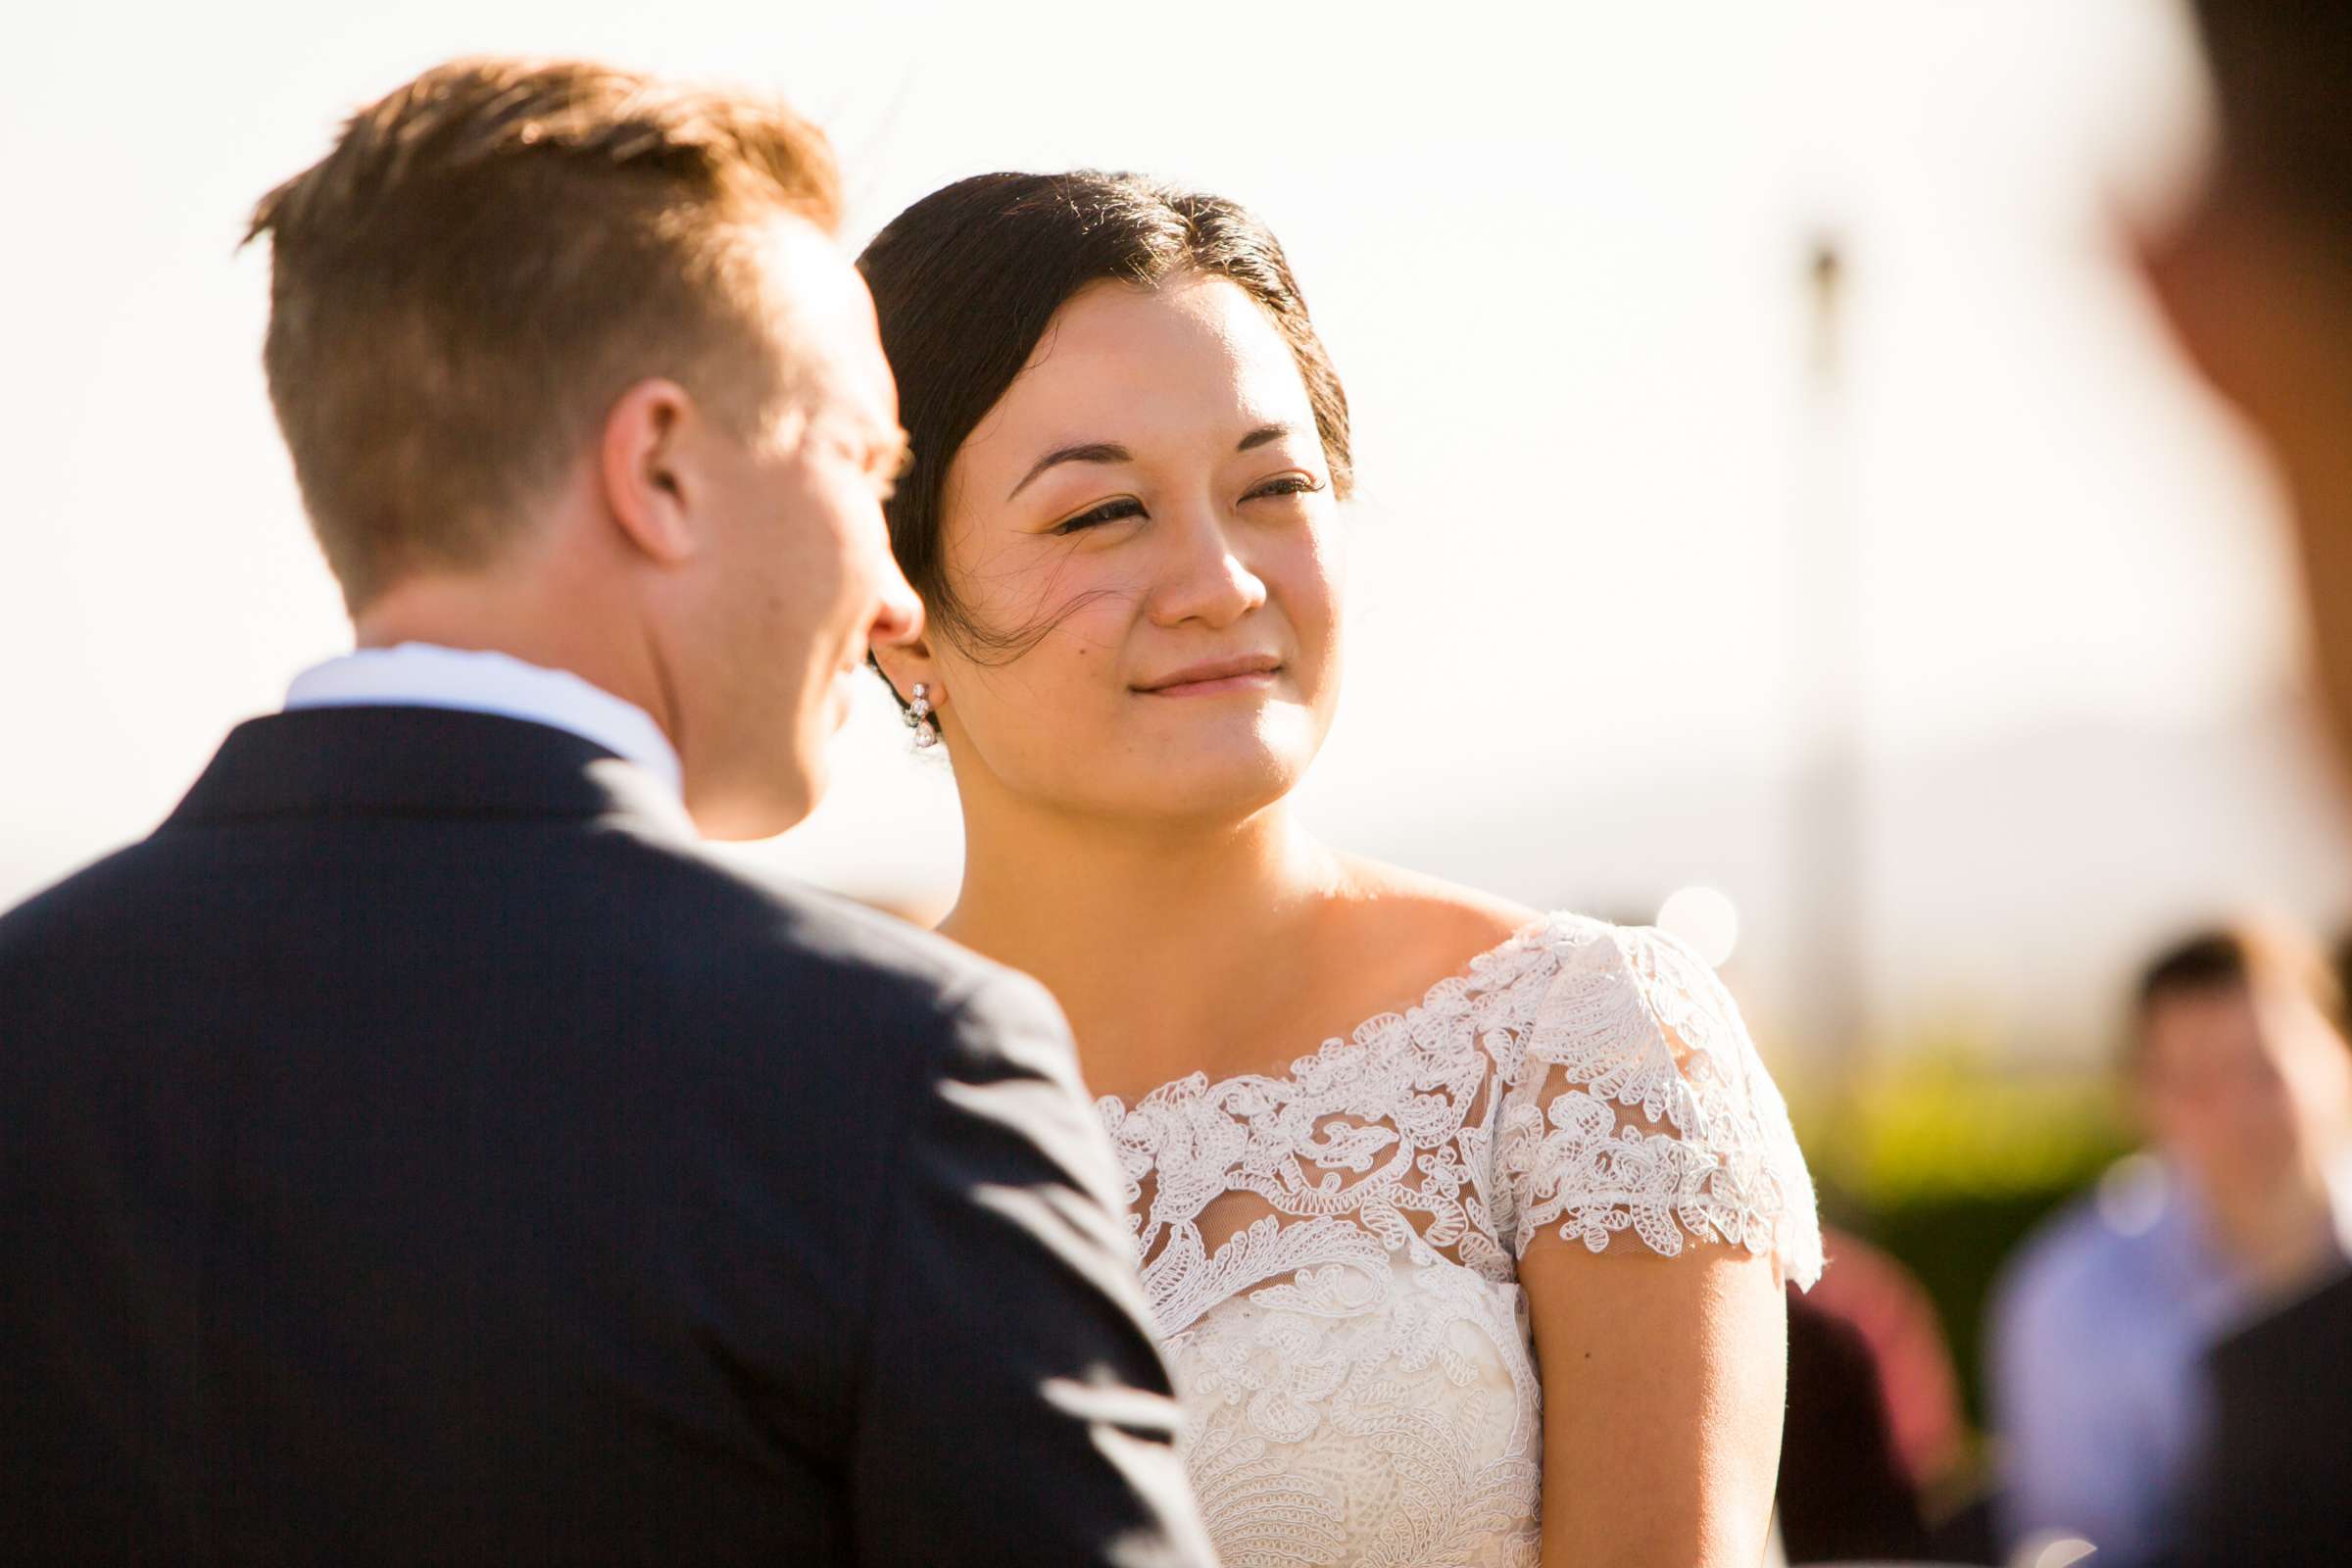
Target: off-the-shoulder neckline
[(1373, 1028)]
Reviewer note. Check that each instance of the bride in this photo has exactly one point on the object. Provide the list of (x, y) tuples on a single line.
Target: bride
[(1464, 1226)]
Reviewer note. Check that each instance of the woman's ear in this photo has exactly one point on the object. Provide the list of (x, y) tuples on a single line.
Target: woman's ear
[(906, 665)]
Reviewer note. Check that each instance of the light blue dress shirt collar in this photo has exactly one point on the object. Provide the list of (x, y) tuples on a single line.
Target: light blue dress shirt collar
[(468, 680)]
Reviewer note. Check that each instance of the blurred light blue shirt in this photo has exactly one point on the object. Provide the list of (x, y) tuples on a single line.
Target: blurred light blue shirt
[(2097, 1385)]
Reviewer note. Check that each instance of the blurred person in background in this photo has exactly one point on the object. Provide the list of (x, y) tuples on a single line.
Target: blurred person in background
[(1875, 1430), (2241, 1077), (421, 1148), (2255, 276), (1843, 1492)]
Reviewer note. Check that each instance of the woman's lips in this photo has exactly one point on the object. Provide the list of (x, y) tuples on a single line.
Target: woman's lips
[(1248, 681), (1250, 672)]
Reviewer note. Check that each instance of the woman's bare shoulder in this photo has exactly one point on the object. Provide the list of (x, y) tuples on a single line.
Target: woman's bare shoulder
[(1443, 918)]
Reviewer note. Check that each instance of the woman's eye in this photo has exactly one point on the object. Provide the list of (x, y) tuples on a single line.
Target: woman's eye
[(1289, 484), (1107, 511)]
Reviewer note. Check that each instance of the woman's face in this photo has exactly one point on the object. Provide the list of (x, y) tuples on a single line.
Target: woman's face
[(1152, 493)]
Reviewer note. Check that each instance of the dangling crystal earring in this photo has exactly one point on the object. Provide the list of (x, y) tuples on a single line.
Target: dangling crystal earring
[(918, 715)]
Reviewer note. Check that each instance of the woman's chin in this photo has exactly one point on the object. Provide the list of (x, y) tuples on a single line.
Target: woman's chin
[(1247, 765), (1225, 769), (1219, 783)]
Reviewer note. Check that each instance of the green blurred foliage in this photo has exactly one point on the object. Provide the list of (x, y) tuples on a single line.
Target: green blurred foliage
[(1943, 1124)]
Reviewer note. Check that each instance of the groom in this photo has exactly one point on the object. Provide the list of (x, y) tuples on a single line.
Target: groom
[(418, 1148)]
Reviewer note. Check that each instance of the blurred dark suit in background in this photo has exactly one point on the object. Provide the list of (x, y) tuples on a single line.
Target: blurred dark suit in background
[(2277, 1485)]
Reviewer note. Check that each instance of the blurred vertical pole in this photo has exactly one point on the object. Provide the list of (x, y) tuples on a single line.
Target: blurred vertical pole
[(1827, 841)]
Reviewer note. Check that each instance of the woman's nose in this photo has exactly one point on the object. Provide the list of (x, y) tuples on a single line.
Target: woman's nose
[(1206, 578)]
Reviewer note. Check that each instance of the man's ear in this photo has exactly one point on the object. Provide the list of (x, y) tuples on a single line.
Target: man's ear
[(647, 472)]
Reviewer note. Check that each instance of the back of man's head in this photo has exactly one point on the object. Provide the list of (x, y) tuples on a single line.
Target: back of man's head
[(485, 261)]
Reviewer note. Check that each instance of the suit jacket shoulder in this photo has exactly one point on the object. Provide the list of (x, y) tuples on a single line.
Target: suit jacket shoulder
[(423, 1146)]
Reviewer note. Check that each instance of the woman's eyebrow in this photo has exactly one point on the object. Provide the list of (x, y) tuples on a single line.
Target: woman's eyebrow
[(1112, 451), (1084, 452)]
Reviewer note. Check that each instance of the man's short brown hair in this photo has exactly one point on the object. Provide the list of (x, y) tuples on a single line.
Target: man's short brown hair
[(2244, 954), (488, 258)]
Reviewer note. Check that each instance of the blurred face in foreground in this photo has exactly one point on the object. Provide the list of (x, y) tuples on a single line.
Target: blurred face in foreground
[(792, 581), (2260, 297), (1144, 525), (2244, 1087)]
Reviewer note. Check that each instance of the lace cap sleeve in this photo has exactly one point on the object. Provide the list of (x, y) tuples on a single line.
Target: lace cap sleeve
[(1634, 1101)]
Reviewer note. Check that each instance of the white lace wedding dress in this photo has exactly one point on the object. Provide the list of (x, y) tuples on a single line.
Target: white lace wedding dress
[(1331, 1254)]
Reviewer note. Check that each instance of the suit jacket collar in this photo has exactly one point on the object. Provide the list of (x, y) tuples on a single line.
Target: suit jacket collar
[(483, 681), (360, 761)]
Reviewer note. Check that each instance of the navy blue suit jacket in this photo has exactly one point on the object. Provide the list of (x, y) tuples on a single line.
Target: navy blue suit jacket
[(421, 1150)]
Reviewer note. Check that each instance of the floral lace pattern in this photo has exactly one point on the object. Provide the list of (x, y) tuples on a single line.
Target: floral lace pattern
[(1331, 1256)]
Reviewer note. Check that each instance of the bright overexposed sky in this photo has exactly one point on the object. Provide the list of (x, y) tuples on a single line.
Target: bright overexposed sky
[(1558, 253)]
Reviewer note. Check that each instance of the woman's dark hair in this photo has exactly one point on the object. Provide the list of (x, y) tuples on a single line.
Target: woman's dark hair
[(965, 280)]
